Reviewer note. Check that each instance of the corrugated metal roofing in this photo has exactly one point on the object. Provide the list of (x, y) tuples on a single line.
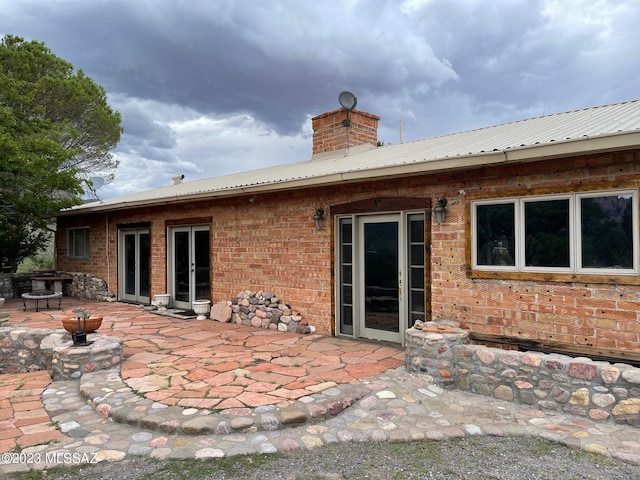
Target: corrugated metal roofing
[(574, 131)]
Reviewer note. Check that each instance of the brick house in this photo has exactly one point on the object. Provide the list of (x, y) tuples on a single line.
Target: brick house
[(537, 246)]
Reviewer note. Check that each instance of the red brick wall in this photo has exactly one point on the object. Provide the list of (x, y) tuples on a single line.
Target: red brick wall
[(585, 312), (329, 133), (97, 261), (272, 244)]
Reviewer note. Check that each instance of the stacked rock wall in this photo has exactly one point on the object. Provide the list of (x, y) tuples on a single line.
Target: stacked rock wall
[(23, 351), (12, 285), (576, 386), (28, 350), (85, 285), (6, 286), (81, 285), (260, 309)]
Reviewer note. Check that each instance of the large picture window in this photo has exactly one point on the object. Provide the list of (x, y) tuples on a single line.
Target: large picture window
[(577, 233), (78, 242)]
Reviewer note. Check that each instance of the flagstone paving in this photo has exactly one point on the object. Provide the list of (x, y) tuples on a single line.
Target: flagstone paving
[(206, 364), (200, 389), (196, 364)]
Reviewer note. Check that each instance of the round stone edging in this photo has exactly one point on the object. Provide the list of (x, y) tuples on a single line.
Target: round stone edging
[(27, 350), (114, 399), (97, 368)]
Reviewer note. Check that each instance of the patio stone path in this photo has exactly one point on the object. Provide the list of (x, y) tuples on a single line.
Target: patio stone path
[(207, 390)]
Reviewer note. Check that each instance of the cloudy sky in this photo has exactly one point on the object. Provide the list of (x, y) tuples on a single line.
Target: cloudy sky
[(211, 87)]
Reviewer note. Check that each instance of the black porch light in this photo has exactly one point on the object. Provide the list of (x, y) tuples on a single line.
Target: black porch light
[(318, 217), (439, 210)]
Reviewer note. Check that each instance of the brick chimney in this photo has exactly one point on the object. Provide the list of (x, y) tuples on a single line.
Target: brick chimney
[(331, 135)]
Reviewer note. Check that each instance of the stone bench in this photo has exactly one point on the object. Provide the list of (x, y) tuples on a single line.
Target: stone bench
[(48, 282)]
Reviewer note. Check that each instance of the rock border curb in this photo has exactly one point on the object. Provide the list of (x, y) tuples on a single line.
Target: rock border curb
[(30, 349), (112, 398)]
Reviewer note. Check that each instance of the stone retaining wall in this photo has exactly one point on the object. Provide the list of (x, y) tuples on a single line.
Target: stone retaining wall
[(260, 309), (24, 351), (576, 386), (82, 285), (28, 350), (12, 285), (6, 285), (85, 285)]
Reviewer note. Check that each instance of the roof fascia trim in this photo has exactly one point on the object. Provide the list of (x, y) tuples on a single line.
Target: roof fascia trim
[(564, 148)]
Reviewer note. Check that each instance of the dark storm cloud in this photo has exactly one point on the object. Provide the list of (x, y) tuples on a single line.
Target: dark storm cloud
[(536, 57), (143, 136), (220, 85), (277, 60)]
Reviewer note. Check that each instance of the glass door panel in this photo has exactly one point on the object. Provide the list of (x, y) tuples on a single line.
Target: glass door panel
[(382, 296), (135, 265), (201, 267), (129, 265), (145, 265), (181, 268), (417, 273), (190, 267), (380, 278), (345, 292)]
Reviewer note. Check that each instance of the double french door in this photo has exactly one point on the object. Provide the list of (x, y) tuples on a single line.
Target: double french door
[(189, 265), (380, 275), (135, 254)]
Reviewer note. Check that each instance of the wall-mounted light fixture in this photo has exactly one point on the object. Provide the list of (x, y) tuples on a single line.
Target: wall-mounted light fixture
[(439, 210), (318, 217)]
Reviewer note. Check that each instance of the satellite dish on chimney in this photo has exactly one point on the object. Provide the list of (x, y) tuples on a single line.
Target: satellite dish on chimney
[(348, 101), (93, 184), (97, 182)]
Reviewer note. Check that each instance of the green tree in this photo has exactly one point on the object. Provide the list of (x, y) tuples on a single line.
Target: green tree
[(56, 129)]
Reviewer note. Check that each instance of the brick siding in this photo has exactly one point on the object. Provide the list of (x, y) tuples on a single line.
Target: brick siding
[(330, 134), (272, 244)]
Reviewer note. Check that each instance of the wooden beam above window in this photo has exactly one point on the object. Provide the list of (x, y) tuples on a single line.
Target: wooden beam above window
[(544, 346)]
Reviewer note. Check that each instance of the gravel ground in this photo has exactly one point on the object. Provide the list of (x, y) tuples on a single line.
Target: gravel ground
[(477, 458)]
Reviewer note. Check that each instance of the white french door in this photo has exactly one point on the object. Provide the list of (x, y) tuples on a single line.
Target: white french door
[(134, 255), (380, 272), (189, 258)]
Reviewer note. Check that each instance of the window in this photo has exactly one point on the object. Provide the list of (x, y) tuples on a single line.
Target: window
[(546, 233), (345, 232), (577, 233), (416, 256), (608, 232), (78, 242)]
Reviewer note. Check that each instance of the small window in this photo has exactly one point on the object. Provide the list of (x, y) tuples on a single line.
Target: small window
[(78, 242), (592, 232)]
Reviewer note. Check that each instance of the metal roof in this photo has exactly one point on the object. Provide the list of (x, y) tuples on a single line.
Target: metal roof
[(595, 129)]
